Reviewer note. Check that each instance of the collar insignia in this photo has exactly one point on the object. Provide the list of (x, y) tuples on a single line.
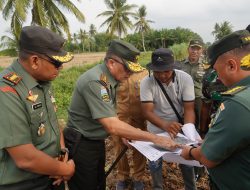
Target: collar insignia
[(32, 98)]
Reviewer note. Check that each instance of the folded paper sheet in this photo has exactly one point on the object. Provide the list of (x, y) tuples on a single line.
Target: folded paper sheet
[(190, 132), (153, 153)]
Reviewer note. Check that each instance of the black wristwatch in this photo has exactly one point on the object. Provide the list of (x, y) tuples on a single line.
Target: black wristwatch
[(190, 153)]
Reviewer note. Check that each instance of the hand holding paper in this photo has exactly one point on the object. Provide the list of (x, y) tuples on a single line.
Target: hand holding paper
[(190, 132)]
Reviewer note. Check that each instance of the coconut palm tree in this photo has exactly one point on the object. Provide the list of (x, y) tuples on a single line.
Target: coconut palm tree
[(92, 30), (43, 12), (118, 16), (221, 30), (83, 37), (142, 24), (9, 44)]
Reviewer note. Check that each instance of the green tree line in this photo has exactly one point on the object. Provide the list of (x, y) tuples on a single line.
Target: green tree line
[(120, 17)]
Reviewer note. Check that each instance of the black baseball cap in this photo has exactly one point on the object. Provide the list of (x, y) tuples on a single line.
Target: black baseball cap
[(38, 39)]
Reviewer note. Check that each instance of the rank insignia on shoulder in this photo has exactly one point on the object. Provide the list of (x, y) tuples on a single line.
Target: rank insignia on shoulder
[(233, 91), (104, 80), (12, 77), (104, 94)]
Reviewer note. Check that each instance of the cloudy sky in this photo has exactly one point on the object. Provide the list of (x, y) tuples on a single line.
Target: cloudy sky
[(198, 15)]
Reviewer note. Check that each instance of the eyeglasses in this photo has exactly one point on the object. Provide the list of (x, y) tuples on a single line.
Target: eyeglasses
[(55, 63), (126, 69)]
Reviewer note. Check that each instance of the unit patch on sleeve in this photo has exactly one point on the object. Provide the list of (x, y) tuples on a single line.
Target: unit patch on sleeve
[(104, 94)]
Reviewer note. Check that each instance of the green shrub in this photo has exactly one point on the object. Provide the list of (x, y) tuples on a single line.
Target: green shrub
[(180, 51), (63, 87)]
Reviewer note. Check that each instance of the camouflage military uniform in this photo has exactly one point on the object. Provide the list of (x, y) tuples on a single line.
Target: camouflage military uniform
[(196, 70)]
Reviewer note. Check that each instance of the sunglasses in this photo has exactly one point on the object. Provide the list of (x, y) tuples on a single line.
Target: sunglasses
[(57, 64), (122, 63)]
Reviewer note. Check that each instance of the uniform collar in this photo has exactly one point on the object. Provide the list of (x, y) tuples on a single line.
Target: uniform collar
[(27, 79), (110, 78), (243, 82)]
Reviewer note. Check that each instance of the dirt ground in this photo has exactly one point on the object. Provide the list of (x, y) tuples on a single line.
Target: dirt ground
[(79, 59)]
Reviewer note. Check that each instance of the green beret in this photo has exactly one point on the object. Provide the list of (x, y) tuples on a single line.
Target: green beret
[(127, 52), (235, 40), (37, 39)]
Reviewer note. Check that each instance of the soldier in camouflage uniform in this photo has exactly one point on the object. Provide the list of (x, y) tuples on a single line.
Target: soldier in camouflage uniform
[(194, 66), (211, 89)]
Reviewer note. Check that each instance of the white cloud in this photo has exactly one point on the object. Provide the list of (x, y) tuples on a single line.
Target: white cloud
[(198, 15)]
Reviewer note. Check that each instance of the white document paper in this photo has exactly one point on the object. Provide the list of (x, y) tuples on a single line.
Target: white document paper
[(153, 153), (190, 132)]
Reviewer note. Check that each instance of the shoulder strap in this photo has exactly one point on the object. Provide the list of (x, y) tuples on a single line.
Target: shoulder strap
[(170, 101)]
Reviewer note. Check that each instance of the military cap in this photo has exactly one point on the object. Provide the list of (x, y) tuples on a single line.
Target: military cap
[(127, 52), (235, 40), (37, 39), (162, 59), (196, 42)]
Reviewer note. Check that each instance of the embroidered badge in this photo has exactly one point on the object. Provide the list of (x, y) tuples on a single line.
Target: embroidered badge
[(104, 94), (13, 78)]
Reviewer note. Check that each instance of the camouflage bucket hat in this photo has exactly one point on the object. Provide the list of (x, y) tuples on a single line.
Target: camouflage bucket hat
[(37, 39), (128, 53)]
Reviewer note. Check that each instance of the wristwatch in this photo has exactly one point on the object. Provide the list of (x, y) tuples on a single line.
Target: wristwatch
[(190, 153)]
